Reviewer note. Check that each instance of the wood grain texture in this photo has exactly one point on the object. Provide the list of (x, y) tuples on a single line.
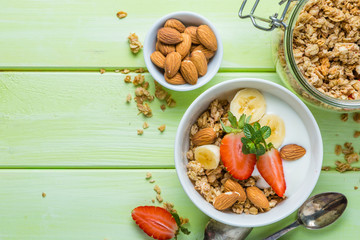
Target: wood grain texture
[(87, 35), (97, 204), (82, 120)]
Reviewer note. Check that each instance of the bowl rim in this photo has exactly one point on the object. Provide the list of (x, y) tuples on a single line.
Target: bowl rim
[(152, 68), (178, 158)]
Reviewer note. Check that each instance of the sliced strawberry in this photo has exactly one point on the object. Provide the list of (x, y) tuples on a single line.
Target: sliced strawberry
[(156, 222), (271, 169), (238, 164)]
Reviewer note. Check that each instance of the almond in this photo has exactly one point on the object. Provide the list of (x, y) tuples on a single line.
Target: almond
[(200, 62), (184, 47), (204, 136), (176, 80), (158, 59), (292, 152), (172, 64), (174, 23), (169, 35), (208, 53), (257, 197), (232, 186), (193, 47), (192, 32), (165, 49), (206, 37), (226, 200), (189, 72)]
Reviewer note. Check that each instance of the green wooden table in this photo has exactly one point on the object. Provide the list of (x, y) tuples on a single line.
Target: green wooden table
[(66, 131)]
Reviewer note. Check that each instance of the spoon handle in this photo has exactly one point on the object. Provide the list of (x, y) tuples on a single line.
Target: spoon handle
[(283, 231)]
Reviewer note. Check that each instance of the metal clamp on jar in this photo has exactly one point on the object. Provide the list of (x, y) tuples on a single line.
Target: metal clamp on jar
[(285, 62)]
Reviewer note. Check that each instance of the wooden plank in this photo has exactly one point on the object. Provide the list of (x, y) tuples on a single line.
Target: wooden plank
[(97, 204), (82, 120), (87, 35)]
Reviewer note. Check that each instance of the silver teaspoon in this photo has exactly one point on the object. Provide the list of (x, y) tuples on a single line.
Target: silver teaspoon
[(215, 230), (317, 212)]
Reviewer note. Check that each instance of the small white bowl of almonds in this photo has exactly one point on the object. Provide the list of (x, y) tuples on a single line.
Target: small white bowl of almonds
[(183, 51)]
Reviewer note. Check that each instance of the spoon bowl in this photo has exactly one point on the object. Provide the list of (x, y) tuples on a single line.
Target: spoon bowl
[(317, 212), (321, 210)]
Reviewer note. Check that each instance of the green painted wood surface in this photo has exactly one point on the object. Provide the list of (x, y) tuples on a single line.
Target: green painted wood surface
[(82, 120), (53, 122), (87, 35), (97, 204)]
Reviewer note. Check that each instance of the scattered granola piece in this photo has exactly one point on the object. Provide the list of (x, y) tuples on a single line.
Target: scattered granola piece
[(148, 175), (153, 200), (356, 134), (143, 94), (139, 80), (152, 181), (159, 198), (121, 14), (128, 98), (344, 117), (169, 207), (146, 85), (43, 194), (170, 102), (127, 79), (140, 70), (352, 157), (325, 168), (157, 189), (144, 109), (162, 128), (348, 148), (355, 187), (338, 149), (163, 107), (135, 44), (184, 220), (125, 71), (102, 71), (356, 117), (145, 125), (140, 132), (343, 167)]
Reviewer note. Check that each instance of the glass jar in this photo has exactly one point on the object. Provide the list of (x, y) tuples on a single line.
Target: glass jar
[(286, 67)]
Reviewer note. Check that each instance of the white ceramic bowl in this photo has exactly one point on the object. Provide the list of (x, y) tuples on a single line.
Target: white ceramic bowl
[(187, 18), (301, 128)]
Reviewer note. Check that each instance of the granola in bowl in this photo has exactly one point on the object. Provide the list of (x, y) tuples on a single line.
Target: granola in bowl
[(210, 182)]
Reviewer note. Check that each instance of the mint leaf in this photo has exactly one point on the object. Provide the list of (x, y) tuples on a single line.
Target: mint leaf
[(248, 119), (245, 149), (254, 140), (248, 130), (265, 131), (257, 126), (241, 121), (232, 120), (225, 128)]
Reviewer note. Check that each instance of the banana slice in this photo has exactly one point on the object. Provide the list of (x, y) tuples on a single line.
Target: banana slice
[(249, 101), (277, 129), (208, 156)]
